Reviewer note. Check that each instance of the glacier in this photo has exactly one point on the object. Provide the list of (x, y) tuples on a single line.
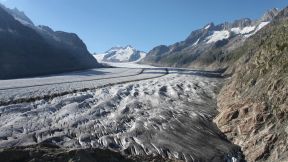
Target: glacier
[(155, 114)]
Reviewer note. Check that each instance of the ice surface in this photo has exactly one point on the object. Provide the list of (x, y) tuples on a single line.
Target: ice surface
[(12, 91), (128, 65), (69, 77), (170, 116)]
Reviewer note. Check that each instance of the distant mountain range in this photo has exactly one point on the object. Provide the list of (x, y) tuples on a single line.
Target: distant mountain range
[(121, 54), (28, 50), (206, 48)]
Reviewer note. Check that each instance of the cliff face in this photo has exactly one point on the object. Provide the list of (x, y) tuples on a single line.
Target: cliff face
[(253, 105)]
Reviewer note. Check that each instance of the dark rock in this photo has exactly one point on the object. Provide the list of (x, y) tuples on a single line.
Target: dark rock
[(27, 51)]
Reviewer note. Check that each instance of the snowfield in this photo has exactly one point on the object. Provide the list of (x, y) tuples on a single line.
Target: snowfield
[(217, 36), (225, 34), (168, 115)]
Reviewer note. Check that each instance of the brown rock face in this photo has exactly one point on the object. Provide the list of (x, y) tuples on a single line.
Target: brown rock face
[(253, 105), (255, 129)]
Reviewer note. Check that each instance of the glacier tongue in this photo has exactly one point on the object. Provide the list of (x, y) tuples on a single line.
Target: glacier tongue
[(169, 116)]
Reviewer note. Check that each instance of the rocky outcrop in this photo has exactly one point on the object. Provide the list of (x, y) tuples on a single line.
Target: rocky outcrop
[(253, 105)]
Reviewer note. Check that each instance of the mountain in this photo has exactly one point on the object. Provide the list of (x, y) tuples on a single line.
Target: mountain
[(121, 54), (27, 50), (18, 15), (253, 104), (208, 47)]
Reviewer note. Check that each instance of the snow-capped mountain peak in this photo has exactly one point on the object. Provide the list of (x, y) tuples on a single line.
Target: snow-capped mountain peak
[(121, 54)]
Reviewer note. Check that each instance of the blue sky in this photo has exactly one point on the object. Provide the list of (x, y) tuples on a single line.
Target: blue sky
[(143, 24)]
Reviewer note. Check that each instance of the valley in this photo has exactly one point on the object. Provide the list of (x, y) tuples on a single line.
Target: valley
[(219, 95), (155, 117)]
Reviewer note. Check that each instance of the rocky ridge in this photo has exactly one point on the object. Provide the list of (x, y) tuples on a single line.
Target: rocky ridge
[(253, 104), (209, 47)]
